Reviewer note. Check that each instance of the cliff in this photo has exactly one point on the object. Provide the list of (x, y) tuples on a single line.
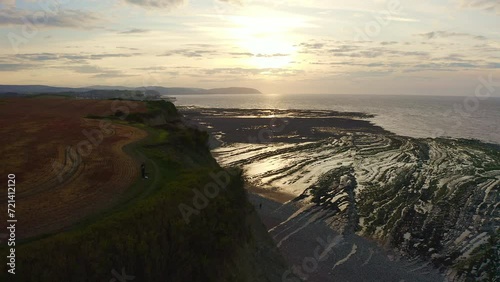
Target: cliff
[(196, 225)]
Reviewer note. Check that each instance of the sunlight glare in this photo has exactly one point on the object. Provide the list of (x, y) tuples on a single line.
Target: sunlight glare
[(268, 39)]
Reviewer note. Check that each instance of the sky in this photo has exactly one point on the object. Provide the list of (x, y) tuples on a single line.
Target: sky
[(426, 47)]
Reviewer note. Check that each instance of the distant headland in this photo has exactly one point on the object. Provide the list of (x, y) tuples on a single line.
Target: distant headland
[(40, 89)]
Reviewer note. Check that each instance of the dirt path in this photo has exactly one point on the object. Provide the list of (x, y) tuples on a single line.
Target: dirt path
[(86, 191)]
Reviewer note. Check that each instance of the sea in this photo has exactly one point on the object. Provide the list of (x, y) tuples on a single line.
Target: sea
[(467, 117)]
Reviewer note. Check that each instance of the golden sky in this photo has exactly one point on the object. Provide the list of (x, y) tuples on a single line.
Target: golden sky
[(359, 46)]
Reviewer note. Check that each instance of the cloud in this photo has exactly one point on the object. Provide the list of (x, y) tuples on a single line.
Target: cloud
[(363, 74), (486, 5), (311, 48), (160, 70), (127, 48), (242, 54), (190, 53), (8, 3), (15, 67), (379, 52), (112, 74), (162, 4), (401, 19), (134, 31), (369, 65), (63, 18), (486, 48), (236, 2), (84, 69), (344, 48), (37, 57), (212, 50), (360, 51), (447, 34), (97, 71), (259, 55), (362, 54), (312, 45), (202, 45), (454, 57), (388, 42), (253, 71), (271, 55), (112, 55), (453, 66)]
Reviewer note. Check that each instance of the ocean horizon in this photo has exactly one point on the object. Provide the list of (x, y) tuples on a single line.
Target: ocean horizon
[(417, 116)]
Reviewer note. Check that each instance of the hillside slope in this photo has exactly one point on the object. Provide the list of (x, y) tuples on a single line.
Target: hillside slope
[(196, 225)]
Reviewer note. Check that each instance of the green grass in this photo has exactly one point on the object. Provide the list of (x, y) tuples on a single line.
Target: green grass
[(155, 109)]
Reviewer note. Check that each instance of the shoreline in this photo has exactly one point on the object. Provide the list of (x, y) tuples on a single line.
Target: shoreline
[(345, 257), (286, 126), (271, 194), (371, 118), (330, 164)]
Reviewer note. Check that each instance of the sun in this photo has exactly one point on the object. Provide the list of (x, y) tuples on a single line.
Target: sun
[(268, 40), (269, 52)]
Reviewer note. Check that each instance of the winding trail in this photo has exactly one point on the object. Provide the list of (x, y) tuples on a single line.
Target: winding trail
[(139, 189)]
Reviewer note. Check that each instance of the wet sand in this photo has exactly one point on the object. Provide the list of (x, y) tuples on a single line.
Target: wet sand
[(290, 126), (272, 194), (347, 257), (314, 250)]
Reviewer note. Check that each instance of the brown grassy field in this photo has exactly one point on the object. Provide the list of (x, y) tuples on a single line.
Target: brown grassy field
[(67, 166)]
